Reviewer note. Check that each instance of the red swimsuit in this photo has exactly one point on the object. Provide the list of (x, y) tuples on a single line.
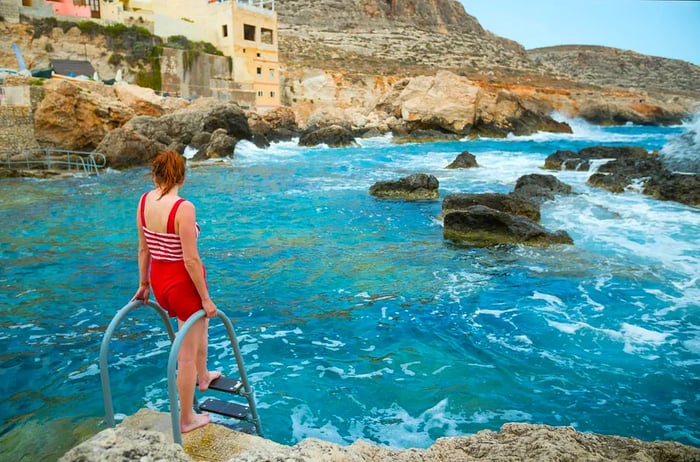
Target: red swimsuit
[(170, 281)]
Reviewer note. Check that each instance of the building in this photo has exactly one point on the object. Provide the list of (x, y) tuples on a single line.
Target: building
[(244, 30)]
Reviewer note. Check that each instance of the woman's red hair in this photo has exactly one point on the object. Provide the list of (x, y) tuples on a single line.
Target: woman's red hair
[(168, 170)]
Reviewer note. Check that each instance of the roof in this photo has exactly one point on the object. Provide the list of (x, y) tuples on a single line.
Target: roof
[(72, 68)]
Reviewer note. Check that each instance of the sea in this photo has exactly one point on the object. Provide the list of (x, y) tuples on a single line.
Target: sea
[(356, 319)]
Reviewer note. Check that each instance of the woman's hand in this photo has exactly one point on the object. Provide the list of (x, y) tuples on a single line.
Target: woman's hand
[(142, 293), (209, 308)]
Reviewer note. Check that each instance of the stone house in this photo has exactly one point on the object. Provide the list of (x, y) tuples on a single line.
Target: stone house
[(244, 30)]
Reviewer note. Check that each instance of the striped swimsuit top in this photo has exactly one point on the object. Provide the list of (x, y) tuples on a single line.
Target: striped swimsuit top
[(164, 246)]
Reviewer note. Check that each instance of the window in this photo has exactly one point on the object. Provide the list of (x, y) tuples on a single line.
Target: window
[(224, 30), (266, 36), (248, 32), (272, 72), (259, 71), (260, 93), (272, 94), (258, 55)]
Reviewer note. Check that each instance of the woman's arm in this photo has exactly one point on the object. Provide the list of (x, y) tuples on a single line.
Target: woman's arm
[(144, 260), (185, 224)]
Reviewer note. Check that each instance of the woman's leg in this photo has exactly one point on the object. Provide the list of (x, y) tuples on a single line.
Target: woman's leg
[(205, 376), (187, 360)]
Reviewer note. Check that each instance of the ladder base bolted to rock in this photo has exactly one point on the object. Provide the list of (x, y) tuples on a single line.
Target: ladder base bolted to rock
[(245, 413)]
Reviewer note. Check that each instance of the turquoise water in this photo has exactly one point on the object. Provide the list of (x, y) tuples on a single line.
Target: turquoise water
[(356, 319)]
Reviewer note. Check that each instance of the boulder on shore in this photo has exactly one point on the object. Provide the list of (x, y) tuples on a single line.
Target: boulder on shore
[(483, 226), (334, 136), (141, 138), (413, 187)]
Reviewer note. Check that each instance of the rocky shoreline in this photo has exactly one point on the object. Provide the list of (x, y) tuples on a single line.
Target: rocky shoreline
[(147, 436)]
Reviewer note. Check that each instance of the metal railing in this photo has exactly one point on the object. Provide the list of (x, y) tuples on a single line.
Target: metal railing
[(247, 392), (88, 163), (176, 340)]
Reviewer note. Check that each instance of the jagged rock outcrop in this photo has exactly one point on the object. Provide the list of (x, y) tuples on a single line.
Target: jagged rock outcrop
[(465, 160), (679, 187), (278, 124), (479, 225), (450, 103), (581, 161), (513, 204), (69, 117), (515, 441), (140, 139), (622, 167), (418, 186)]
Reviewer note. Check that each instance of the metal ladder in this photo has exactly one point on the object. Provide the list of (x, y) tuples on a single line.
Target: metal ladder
[(247, 413)]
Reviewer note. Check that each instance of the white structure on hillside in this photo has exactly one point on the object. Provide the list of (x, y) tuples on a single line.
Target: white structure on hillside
[(244, 30)]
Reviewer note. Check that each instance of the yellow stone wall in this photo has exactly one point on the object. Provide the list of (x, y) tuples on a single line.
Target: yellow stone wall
[(255, 60)]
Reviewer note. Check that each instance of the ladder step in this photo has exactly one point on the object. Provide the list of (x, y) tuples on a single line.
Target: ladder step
[(227, 385), (237, 411)]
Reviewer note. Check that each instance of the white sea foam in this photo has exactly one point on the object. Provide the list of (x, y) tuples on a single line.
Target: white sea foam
[(329, 344), (92, 369), (682, 153), (567, 328), (551, 300), (636, 334)]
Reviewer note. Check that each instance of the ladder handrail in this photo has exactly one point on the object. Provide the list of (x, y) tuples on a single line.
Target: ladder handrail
[(172, 363), (176, 341), (104, 349), (89, 161)]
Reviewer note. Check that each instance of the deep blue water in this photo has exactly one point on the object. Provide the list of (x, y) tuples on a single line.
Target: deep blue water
[(356, 319)]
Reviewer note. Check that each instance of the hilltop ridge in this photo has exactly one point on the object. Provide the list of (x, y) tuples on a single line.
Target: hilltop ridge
[(423, 36)]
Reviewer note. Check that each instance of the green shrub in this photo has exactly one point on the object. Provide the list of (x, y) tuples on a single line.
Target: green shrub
[(115, 59)]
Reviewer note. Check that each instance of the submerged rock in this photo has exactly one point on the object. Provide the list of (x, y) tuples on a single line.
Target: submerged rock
[(483, 226), (413, 187)]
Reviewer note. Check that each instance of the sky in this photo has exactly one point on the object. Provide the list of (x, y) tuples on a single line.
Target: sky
[(670, 29)]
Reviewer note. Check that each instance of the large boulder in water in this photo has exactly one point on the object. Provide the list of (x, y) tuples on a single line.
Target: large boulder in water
[(679, 187), (334, 136), (483, 226), (464, 160), (536, 186), (581, 161), (413, 187), (509, 203)]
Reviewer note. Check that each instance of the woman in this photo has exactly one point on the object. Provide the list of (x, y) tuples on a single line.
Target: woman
[(169, 263)]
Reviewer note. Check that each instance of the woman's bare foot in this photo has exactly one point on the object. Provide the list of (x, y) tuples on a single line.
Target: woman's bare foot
[(205, 381), (198, 420)]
